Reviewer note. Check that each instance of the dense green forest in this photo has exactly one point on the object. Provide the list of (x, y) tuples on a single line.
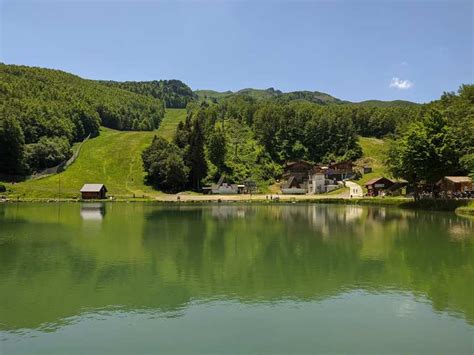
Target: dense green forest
[(243, 138), (270, 94), (43, 112), (174, 93), (439, 143)]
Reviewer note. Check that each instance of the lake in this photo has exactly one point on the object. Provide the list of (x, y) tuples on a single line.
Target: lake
[(133, 278)]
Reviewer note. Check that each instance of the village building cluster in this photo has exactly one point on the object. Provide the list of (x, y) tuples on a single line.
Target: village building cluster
[(447, 187), (301, 178)]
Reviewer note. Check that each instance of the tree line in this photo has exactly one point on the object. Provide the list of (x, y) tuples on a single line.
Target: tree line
[(242, 138), (440, 143), (43, 112)]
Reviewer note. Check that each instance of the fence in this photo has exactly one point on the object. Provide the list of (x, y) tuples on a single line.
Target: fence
[(53, 170), (61, 166)]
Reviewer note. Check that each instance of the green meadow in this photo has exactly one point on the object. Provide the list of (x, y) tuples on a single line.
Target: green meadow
[(374, 153), (112, 158), (170, 122)]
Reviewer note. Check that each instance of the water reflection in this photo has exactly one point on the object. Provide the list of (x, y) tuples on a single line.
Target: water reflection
[(93, 211), (152, 257)]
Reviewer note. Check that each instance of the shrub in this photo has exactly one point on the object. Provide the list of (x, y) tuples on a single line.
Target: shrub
[(163, 161), (48, 152)]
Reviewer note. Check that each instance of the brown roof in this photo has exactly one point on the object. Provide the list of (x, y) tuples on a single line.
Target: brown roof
[(375, 180), (342, 163), (457, 179)]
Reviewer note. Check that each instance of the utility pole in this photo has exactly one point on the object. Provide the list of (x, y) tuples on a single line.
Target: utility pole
[(59, 187)]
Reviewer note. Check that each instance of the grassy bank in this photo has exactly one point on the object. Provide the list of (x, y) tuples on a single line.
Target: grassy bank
[(113, 158), (436, 205), (374, 153), (467, 210)]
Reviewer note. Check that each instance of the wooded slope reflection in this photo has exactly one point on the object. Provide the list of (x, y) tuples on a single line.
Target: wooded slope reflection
[(56, 264)]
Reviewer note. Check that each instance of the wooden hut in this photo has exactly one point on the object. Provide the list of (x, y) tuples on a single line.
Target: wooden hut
[(93, 192), (340, 171), (299, 169), (455, 184), (296, 175), (377, 185)]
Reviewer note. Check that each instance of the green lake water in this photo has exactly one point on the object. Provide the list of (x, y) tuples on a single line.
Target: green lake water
[(136, 278)]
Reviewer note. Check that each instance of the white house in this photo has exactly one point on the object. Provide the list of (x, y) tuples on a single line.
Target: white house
[(318, 183)]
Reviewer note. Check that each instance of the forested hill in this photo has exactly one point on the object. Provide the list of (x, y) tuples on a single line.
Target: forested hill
[(43, 112), (174, 93), (272, 94)]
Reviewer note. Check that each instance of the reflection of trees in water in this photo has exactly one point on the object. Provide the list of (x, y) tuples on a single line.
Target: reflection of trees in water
[(163, 257), (310, 252), (272, 251)]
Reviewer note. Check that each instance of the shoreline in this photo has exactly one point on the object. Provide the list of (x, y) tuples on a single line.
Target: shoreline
[(461, 207)]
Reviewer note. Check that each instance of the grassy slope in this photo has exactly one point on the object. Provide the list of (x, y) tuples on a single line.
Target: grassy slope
[(113, 158), (374, 154), (171, 121)]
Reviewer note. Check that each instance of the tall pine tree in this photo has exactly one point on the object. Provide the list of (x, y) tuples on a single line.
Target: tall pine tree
[(195, 155)]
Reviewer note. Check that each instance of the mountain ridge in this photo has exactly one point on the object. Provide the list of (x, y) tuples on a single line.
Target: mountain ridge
[(177, 94), (316, 97)]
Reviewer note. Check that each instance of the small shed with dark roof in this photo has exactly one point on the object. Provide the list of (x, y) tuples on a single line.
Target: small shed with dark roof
[(93, 192)]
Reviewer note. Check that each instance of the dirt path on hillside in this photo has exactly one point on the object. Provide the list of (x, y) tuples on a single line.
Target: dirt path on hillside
[(355, 190)]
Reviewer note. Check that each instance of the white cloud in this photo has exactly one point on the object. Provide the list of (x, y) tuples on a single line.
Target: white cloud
[(400, 84)]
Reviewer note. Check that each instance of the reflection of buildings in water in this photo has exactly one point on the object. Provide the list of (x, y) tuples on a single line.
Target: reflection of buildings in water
[(322, 219), (349, 220), (224, 212), (318, 218), (93, 211), (461, 229), (325, 217), (353, 213)]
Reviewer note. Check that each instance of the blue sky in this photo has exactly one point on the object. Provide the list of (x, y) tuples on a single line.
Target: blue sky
[(354, 50)]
